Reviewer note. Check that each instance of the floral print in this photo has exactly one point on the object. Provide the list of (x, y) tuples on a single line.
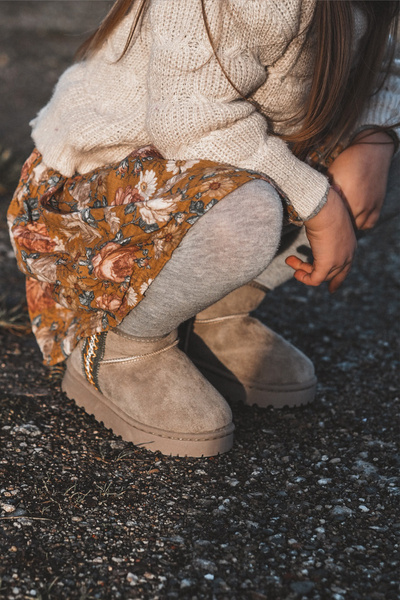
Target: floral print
[(180, 166), (90, 245), (147, 184), (157, 210), (33, 237), (115, 262)]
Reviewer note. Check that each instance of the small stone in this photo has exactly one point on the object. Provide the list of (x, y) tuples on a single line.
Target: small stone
[(132, 578), (186, 583), (232, 482), (337, 589), (362, 466), (302, 587), (340, 513), (149, 575), (8, 508), (363, 508), (207, 565), (252, 524), (27, 429), (209, 577), (177, 539), (117, 444)]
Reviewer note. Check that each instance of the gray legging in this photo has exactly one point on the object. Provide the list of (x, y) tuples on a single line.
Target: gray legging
[(229, 246)]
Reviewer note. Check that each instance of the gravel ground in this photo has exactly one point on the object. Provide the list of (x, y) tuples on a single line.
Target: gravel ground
[(306, 505)]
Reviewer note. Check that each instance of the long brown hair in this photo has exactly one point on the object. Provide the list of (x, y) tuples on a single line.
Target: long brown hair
[(338, 91)]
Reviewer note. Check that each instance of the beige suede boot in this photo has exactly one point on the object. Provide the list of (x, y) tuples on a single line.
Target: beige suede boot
[(243, 359), (150, 393)]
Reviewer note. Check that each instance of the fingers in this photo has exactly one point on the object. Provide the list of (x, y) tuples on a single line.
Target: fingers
[(312, 279), (366, 220), (364, 210), (338, 279), (314, 275), (304, 272), (297, 264)]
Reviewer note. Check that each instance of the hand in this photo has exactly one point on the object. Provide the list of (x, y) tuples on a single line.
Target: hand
[(333, 243), (360, 175)]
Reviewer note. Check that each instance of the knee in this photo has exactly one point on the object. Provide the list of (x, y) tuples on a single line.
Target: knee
[(242, 229), (261, 215), (262, 199)]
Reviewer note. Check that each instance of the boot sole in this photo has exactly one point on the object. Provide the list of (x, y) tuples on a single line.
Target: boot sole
[(157, 440), (274, 396)]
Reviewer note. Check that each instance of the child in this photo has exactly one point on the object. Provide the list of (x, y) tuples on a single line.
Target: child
[(155, 196)]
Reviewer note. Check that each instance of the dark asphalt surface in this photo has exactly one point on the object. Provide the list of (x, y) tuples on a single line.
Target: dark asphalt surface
[(306, 505)]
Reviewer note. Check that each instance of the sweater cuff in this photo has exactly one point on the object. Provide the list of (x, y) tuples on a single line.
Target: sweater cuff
[(321, 204), (305, 188)]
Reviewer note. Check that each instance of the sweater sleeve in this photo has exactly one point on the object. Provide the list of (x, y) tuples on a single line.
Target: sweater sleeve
[(193, 111), (383, 108)]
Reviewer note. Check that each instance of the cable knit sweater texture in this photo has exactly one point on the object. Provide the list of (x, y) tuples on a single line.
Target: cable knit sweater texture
[(168, 90)]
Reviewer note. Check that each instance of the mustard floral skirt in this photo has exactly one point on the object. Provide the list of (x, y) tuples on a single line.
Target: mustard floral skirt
[(90, 245)]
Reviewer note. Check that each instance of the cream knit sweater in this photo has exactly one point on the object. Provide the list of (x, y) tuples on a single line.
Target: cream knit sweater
[(169, 91)]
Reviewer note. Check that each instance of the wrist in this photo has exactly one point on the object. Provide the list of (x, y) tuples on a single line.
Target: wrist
[(328, 212)]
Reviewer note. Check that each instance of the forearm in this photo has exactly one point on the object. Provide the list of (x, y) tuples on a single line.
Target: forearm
[(360, 173)]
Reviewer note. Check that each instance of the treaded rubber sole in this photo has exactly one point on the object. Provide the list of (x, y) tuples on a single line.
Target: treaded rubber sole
[(274, 396), (156, 440)]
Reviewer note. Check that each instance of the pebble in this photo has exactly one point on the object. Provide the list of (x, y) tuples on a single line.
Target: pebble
[(302, 587), (341, 512), (207, 565), (365, 467), (8, 508), (232, 482), (132, 578), (27, 429)]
